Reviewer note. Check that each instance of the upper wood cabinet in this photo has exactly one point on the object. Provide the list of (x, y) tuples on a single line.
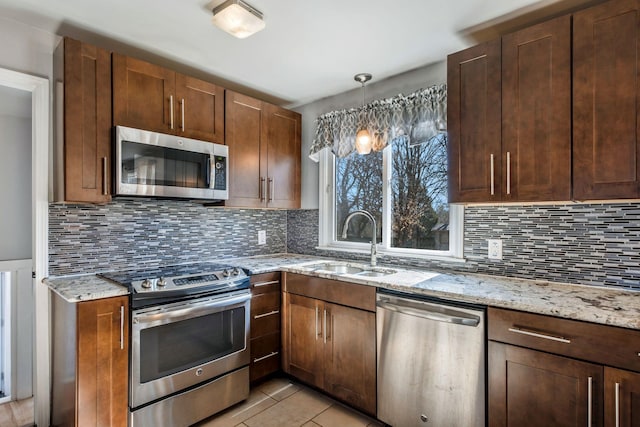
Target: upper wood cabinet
[(536, 112), (509, 111), (85, 122), (473, 123), (606, 90), (264, 153), (154, 98)]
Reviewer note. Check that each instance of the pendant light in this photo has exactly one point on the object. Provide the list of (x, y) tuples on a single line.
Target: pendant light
[(363, 138)]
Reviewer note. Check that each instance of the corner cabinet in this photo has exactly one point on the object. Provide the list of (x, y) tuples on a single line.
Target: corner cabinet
[(329, 337), (90, 362), (150, 97), (264, 153), (606, 101), (509, 112), (550, 371), (83, 120)]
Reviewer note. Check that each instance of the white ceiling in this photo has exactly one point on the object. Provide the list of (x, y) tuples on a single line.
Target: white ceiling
[(309, 49)]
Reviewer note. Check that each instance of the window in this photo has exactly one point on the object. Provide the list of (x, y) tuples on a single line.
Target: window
[(404, 187)]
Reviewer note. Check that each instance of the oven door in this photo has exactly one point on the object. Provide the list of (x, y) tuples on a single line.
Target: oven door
[(178, 345)]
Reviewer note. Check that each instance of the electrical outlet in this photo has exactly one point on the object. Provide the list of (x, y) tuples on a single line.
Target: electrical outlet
[(262, 237), (495, 248)]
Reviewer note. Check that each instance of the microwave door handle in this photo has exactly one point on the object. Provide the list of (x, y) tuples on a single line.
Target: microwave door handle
[(211, 172)]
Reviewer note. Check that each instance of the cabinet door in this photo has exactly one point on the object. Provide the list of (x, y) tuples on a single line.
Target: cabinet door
[(474, 123), (302, 338), (143, 95), (245, 136), (623, 410), (605, 101), (103, 368), (350, 355), (283, 157), (532, 388), (87, 123), (536, 112), (200, 109)]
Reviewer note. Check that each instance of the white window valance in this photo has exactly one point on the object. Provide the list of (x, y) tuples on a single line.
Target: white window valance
[(419, 116)]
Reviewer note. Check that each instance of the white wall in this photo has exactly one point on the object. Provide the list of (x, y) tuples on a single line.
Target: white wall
[(15, 176), (404, 83), (26, 49)]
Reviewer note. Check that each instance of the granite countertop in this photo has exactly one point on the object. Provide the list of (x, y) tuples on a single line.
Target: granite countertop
[(593, 304)]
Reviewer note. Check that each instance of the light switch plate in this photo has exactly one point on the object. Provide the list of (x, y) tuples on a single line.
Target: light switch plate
[(262, 237), (495, 248)]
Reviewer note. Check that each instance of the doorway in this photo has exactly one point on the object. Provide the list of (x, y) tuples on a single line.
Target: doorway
[(24, 266)]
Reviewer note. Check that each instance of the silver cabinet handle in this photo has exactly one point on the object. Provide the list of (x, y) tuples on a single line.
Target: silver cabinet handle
[(316, 323), (171, 110), (272, 282), (617, 404), (182, 112), (590, 401), (122, 327), (324, 327), (522, 331), (105, 177), (271, 313), (270, 190), (258, 359), (508, 172), (262, 190), (493, 183)]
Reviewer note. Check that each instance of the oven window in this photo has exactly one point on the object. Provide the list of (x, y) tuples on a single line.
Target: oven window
[(154, 165), (177, 346)]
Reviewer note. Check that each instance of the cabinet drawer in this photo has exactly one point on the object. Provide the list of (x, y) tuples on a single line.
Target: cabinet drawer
[(348, 294), (264, 303), (265, 355), (603, 344), (265, 323), (265, 283)]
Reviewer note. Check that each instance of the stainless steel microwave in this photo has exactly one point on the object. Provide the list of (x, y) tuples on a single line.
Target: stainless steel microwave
[(160, 165)]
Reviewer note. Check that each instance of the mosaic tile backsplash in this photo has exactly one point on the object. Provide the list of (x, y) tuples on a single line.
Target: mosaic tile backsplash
[(138, 233), (590, 244)]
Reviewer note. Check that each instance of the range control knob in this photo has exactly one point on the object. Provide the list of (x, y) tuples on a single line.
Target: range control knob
[(225, 273), (146, 283), (236, 271), (161, 282)]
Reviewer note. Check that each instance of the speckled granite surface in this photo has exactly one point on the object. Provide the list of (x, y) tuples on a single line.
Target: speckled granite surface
[(84, 288), (599, 305)]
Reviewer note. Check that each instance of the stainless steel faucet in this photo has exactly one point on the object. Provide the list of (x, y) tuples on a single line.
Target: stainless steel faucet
[(374, 236)]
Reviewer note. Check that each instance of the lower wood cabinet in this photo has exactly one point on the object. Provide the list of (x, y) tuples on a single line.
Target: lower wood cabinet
[(90, 362), (265, 325), (536, 379), (328, 344)]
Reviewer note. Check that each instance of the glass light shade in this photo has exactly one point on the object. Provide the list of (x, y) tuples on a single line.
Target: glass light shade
[(238, 19), (363, 142)]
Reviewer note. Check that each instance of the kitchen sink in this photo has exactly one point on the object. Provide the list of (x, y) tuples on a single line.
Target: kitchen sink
[(346, 268), (336, 267)]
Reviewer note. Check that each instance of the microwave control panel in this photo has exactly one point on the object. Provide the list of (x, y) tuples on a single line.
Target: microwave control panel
[(220, 174)]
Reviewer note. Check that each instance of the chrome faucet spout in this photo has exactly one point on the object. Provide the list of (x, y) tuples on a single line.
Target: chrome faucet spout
[(373, 232)]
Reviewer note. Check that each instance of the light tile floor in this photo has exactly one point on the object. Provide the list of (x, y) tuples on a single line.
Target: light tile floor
[(17, 414), (282, 403)]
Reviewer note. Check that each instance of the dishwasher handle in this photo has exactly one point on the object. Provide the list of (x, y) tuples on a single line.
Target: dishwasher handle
[(425, 312)]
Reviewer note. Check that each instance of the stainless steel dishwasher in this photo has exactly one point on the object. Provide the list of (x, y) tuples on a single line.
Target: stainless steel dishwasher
[(431, 362)]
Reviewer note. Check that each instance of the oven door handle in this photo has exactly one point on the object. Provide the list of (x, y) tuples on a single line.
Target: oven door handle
[(192, 310)]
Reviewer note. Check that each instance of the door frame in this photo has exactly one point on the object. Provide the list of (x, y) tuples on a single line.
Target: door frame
[(40, 112)]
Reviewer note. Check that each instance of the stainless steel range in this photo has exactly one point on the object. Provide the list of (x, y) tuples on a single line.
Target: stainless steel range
[(189, 342)]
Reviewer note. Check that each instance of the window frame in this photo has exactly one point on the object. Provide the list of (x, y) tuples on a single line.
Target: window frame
[(327, 223)]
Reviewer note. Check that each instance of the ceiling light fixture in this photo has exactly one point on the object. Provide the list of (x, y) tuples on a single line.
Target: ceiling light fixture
[(238, 18), (363, 138)]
